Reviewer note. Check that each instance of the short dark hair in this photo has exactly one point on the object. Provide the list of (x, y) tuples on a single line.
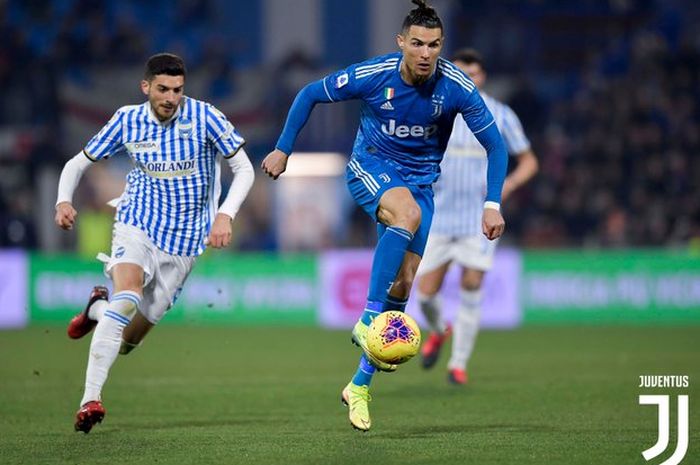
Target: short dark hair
[(423, 15), (164, 63), (468, 56)]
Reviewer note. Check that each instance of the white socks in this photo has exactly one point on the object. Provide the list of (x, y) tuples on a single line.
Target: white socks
[(465, 329), (431, 308), (107, 338), (97, 309)]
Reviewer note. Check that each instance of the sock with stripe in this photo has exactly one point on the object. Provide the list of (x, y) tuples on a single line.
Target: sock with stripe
[(106, 340), (365, 372)]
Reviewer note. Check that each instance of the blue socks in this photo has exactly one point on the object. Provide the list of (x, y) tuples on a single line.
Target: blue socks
[(388, 257), (372, 309), (364, 373)]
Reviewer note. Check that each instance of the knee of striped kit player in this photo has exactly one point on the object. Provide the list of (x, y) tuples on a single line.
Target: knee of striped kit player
[(123, 306)]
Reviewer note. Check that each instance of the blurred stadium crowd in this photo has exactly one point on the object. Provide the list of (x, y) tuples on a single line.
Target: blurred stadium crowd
[(608, 92)]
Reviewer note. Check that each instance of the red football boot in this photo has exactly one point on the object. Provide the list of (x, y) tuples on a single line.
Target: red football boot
[(431, 349), (89, 415), (81, 324), (457, 376)]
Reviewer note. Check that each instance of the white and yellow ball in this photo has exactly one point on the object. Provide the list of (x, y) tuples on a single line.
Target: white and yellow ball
[(393, 337)]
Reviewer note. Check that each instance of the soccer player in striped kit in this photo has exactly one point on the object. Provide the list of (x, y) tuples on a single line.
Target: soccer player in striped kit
[(455, 235), (165, 218), (409, 103)]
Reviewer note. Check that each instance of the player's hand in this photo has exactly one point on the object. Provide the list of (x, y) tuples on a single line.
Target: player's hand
[(65, 215), (221, 232), (275, 163), (492, 223)]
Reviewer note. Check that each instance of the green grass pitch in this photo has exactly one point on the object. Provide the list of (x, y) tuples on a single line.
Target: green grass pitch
[(255, 395)]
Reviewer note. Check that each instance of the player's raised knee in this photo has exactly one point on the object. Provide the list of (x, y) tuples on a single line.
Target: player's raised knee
[(410, 217), (125, 303)]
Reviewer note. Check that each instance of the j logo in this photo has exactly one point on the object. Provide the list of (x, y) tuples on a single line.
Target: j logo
[(664, 419)]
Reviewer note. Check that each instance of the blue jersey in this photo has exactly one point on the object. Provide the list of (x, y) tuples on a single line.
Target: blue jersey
[(408, 126), (173, 190)]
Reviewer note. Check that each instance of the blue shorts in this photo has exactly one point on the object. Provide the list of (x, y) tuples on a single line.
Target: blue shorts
[(369, 177)]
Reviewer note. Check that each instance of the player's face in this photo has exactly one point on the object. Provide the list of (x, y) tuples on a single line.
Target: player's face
[(164, 93), (475, 72), (421, 48)]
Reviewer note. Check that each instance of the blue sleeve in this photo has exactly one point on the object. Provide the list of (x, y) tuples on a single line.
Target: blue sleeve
[(491, 140), (335, 87), (299, 114)]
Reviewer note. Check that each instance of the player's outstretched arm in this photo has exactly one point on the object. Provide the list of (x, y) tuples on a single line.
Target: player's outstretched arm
[(276, 161), (70, 177)]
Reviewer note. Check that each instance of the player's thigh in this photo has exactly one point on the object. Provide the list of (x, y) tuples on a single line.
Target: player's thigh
[(398, 207), (128, 277), (434, 264), (131, 263), (475, 252), (437, 254), (367, 179), (160, 295)]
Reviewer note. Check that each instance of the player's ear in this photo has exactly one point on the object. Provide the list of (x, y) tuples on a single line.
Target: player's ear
[(400, 40), (145, 86)]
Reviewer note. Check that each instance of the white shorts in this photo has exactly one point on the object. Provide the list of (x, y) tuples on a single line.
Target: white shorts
[(164, 274), (474, 252)]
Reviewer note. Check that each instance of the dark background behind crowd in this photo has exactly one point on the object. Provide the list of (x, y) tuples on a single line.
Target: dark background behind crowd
[(607, 91)]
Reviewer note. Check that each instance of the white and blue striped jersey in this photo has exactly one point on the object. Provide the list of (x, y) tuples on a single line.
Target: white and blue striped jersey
[(173, 190), (460, 192), (409, 126)]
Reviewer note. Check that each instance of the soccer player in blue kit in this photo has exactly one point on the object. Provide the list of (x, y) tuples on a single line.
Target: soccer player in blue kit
[(409, 103)]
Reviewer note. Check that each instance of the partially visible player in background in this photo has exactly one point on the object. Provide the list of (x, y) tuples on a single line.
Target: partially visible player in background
[(456, 232), (165, 218), (409, 103)]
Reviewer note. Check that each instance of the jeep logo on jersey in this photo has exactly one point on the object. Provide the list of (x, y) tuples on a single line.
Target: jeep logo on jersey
[(402, 131), (168, 169)]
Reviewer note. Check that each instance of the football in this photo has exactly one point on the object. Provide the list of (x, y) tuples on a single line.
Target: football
[(393, 337)]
